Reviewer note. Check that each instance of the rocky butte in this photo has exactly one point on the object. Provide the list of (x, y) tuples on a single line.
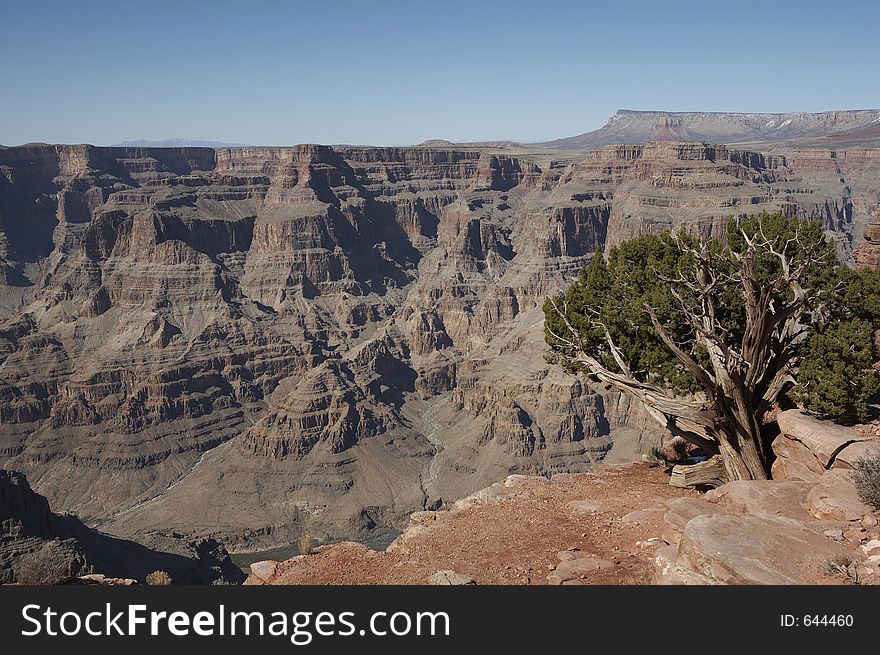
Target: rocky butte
[(251, 344)]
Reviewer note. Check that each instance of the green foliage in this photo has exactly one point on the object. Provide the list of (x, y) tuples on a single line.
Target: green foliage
[(836, 377), (809, 251), (614, 294), (657, 456), (842, 309), (861, 295), (638, 273)]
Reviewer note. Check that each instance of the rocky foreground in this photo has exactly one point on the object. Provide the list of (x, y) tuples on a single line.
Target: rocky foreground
[(625, 525)]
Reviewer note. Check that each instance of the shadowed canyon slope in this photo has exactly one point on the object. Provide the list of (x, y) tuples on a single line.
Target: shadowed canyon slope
[(252, 343), (60, 548)]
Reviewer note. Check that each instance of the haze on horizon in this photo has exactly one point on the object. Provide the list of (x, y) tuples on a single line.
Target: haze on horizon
[(393, 72)]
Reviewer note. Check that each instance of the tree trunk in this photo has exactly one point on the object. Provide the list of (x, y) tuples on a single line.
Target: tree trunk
[(711, 473), (740, 449)]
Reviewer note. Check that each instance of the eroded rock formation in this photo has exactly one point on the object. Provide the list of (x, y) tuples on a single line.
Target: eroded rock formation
[(38, 546), (253, 343)]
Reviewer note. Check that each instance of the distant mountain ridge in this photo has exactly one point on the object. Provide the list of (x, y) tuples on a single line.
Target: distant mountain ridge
[(177, 143), (629, 126)]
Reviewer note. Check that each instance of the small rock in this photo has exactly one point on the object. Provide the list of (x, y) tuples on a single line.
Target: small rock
[(264, 570), (854, 535), (835, 534), (640, 515), (872, 547), (101, 579), (868, 521), (574, 567), (585, 506), (450, 577)]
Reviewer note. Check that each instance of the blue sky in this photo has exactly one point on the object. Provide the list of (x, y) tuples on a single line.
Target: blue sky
[(388, 72)]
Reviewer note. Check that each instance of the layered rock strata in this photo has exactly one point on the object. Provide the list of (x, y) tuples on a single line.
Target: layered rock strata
[(256, 343)]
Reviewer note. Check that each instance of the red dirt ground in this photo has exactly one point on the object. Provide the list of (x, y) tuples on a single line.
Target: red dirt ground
[(516, 540)]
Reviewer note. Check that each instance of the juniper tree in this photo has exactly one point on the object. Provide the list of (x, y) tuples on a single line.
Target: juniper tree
[(836, 377), (709, 335)]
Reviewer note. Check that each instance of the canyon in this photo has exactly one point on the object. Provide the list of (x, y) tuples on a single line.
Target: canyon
[(253, 344)]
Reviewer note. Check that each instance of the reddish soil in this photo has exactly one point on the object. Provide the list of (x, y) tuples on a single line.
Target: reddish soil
[(516, 540)]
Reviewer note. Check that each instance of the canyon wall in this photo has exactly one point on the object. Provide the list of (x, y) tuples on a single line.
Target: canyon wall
[(252, 343)]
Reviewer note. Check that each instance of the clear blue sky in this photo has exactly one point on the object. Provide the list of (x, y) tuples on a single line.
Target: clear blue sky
[(388, 72)]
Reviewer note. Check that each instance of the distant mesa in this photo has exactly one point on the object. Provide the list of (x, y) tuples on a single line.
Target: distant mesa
[(445, 143), (177, 143), (851, 127)]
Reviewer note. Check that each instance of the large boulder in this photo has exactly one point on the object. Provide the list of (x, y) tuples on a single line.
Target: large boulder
[(849, 456), (774, 497), (682, 510), (806, 446), (747, 549), (835, 498), (794, 461)]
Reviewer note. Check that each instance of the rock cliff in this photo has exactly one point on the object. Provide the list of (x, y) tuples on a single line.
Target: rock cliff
[(254, 343), (867, 254), (38, 546)]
